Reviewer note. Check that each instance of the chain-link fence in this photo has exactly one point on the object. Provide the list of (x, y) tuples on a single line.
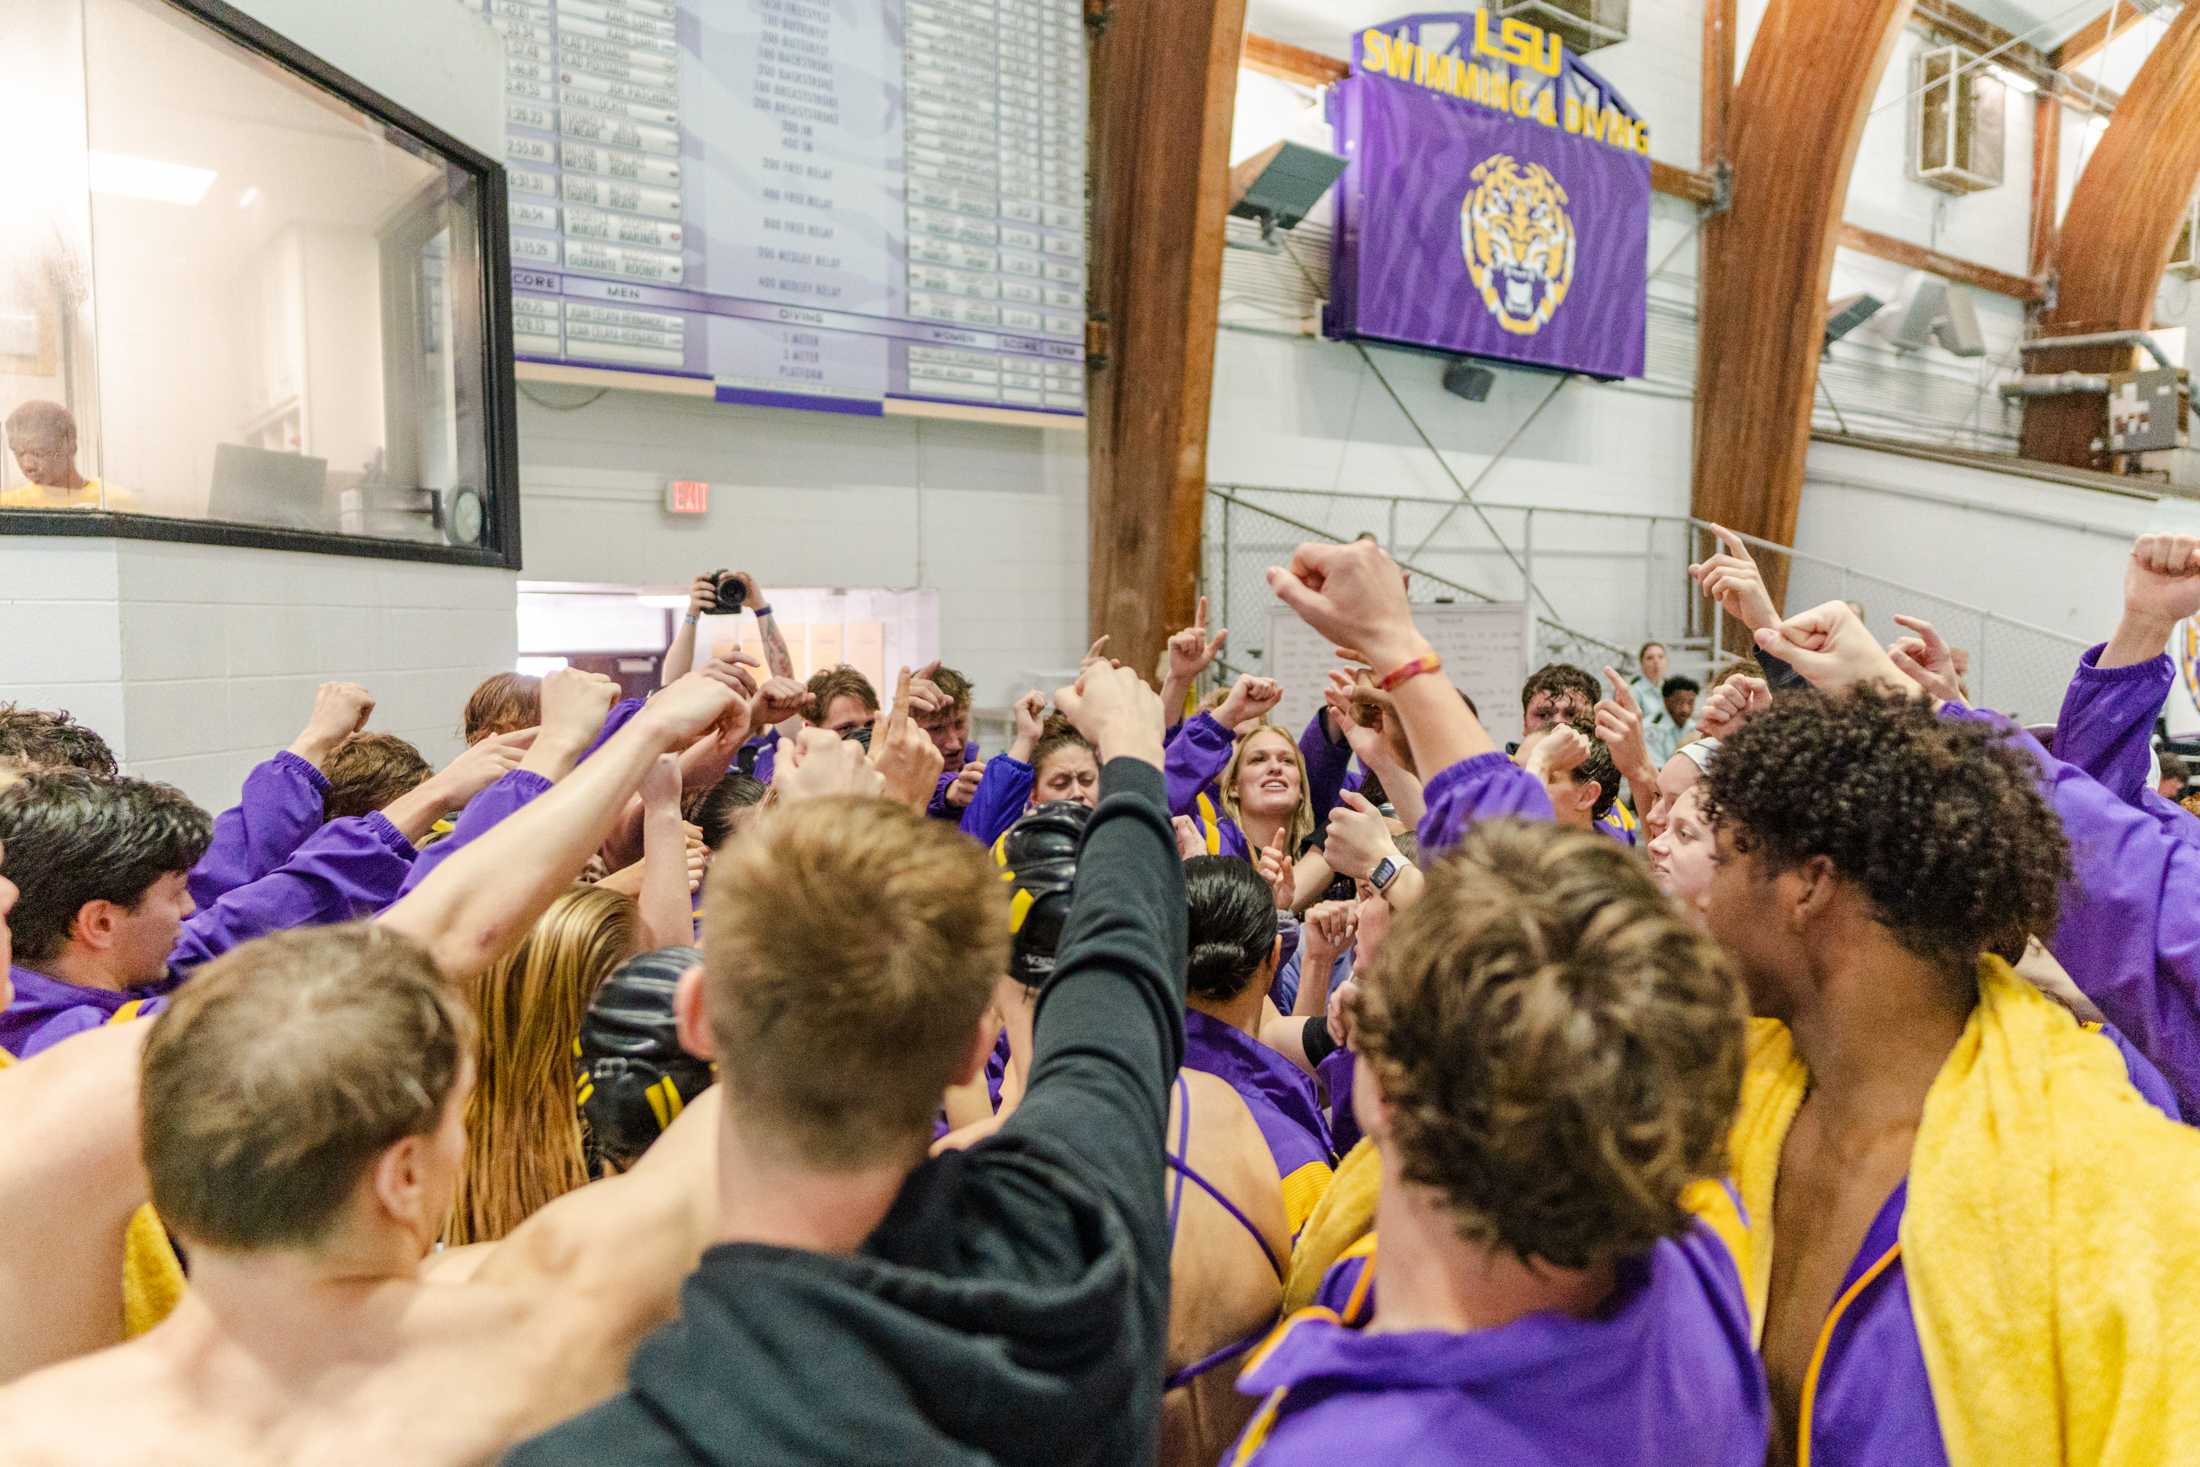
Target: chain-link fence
[(1600, 583)]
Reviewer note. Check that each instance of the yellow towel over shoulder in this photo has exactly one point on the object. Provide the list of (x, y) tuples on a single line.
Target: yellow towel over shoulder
[(2050, 1241)]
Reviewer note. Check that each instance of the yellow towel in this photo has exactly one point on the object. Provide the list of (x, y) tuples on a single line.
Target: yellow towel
[(1345, 1214), (152, 1279), (2050, 1240)]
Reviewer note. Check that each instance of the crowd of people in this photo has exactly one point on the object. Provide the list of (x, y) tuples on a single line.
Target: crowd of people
[(1794, 1068)]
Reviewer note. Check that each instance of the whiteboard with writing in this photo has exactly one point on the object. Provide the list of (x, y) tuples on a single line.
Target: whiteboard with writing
[(1484, 646)]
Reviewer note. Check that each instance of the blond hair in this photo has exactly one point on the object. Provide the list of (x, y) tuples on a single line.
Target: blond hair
[(1301, 825), (850, 947), (1558, 1048), (523, 1135), (283, 1070)]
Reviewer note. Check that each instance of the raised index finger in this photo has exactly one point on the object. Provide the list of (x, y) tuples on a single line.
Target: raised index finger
[(1200, 620), (898, 719), (1731, 542), (1621, 694)]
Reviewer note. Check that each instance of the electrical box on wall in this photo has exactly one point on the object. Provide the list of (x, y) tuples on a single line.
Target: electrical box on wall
[(1959, 121), (1584, 25), (2184, 258)]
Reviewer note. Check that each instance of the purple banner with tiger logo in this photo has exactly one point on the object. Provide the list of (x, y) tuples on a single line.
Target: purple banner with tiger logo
[(1496, 202)]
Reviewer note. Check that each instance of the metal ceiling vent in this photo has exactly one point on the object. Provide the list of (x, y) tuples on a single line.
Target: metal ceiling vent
[(1959, 121), (1584, 25)]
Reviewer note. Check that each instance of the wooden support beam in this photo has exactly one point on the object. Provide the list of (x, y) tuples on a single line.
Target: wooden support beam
[(1164, 88), (1917, 257), (1768, 260), (1718, 80), (2093, 37), (1286, 62), (1683, 183), (2046, 179), (2117, 236)]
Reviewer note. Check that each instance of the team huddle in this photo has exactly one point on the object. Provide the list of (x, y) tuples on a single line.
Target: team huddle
[(1791, 1069)]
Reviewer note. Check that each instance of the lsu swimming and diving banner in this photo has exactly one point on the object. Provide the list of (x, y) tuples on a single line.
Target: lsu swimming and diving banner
[(1497, 198)]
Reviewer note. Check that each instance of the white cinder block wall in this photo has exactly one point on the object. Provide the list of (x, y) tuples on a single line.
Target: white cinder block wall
[(197, 661), (991, 518)]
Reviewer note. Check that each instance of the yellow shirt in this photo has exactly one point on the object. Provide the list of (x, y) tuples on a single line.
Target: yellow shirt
[(38, 496)]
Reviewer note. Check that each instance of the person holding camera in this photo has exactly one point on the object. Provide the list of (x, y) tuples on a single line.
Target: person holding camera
[(725, 593)]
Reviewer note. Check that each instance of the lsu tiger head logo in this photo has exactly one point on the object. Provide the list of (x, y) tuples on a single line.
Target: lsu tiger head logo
[(1519, 242)]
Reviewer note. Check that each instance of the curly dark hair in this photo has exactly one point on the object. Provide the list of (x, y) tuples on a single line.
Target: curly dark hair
[(38, 738), (1938, 821), (1560, 679), (1558, 1047)]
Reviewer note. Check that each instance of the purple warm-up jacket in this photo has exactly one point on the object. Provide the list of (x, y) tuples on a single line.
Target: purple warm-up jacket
[(346, 870), (2106, 729), (285, 800)]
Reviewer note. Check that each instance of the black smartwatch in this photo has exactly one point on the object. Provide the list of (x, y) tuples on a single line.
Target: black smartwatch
[(1381, 877)]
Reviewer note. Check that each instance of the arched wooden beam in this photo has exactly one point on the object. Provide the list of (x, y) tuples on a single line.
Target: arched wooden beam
[(1797, 119), (1164, 91), (2117, 235)]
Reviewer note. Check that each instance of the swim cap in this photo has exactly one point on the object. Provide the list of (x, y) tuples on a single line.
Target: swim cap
[(1699, 753), (1038, 858), (633, 1077)]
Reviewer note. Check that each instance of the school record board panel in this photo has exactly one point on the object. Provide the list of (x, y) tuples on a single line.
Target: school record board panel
[(826, 204)]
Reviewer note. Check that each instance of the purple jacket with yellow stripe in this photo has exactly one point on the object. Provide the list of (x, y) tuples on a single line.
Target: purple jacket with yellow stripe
[(1283, 1102), (1666, 1372), (1869, 1397)]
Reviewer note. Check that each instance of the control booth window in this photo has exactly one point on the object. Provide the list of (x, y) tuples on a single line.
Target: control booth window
[(242, 298)]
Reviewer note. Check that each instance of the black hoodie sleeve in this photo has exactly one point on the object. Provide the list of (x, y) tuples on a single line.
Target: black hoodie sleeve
[(1109, 1030)]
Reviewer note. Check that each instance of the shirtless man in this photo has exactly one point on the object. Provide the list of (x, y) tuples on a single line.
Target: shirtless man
[(301, 1109), (1225, 1258)]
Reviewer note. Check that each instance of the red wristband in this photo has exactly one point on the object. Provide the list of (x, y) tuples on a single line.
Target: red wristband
[(1399, 676)]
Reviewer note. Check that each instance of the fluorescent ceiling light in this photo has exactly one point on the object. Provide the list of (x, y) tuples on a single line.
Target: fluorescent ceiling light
[(149, 178)]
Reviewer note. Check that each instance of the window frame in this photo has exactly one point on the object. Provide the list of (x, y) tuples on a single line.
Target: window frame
[(500, 416)]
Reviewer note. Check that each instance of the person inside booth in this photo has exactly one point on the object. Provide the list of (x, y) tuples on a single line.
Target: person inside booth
[(42, 436)]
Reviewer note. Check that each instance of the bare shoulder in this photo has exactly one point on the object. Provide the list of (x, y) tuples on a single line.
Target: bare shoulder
[(49, 1414), (1228, 1150), (82, 1093)]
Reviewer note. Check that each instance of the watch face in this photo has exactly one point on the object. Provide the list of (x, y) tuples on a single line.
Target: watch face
[(1383, 875)]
